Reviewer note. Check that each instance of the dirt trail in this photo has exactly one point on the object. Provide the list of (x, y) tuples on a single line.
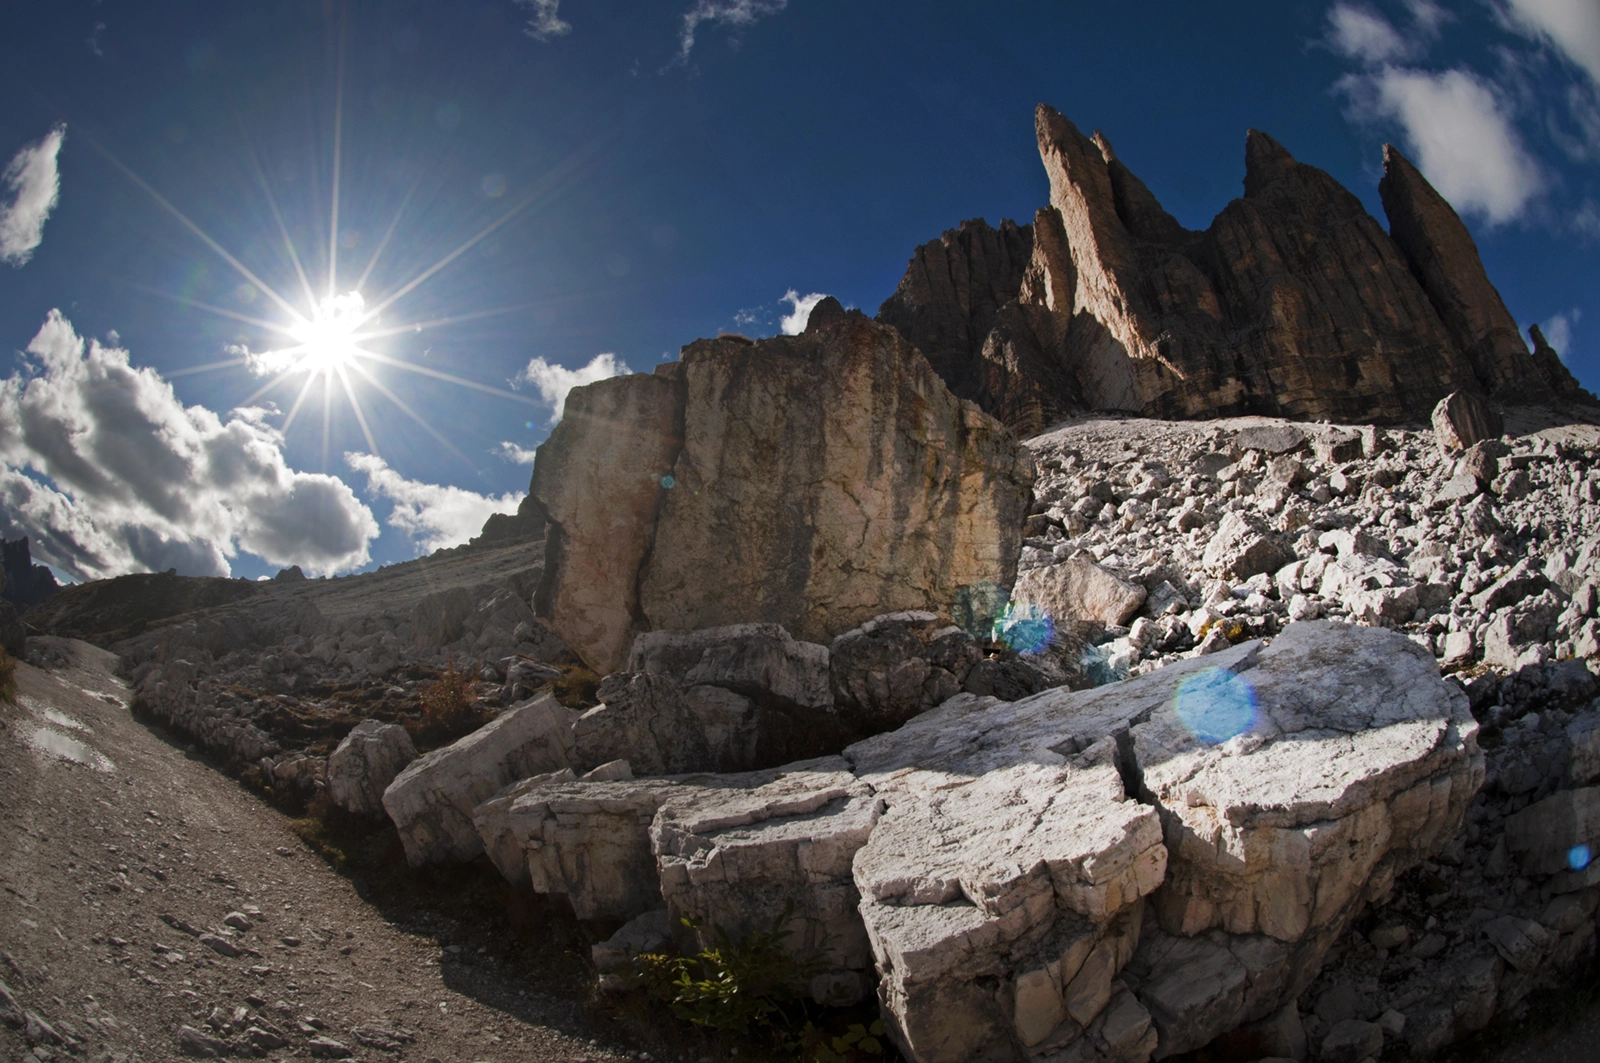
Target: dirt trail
[(121, 860)]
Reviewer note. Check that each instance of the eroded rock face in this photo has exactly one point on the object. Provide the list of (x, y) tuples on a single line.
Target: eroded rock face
[(1294, 302), (824, 479), (1445, 259), (600, 479)]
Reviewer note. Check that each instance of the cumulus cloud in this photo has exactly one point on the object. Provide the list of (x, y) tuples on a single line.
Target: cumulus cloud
[(515, 454), (1572, 26), (544, 22), (1558, 331), (109, 473), (794, 322), (734, 14), (35, 185), (1459, 132), (432, 515), (1359, 33), (554, 381)]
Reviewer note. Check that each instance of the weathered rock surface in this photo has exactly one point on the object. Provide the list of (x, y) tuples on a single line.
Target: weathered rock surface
[(991, 862), (601, 477), (364, 765), (431, 801), (796, 501)]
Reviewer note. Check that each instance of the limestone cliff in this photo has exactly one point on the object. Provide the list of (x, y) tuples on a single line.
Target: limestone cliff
[(1294, 302)]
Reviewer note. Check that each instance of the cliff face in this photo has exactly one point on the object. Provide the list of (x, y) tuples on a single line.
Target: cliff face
[(1294, 302)]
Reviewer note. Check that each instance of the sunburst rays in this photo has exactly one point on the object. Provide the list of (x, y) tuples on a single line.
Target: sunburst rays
[(334, 341)]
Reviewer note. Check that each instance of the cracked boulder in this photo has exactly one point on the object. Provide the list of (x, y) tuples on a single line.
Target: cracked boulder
[(431, 801)]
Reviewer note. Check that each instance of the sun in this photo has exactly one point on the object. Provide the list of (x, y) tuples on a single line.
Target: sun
[(329, 338)]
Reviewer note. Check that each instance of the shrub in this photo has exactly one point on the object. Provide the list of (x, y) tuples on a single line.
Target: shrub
[(733, 986), (8, 676), (449, 710)]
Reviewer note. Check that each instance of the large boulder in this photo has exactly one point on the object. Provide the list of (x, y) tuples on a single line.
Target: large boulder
[(431, 801), (735, 698), (773, 858), (364, 765), (1080, 593), (1462, 419), (898, 665), (827, 478), (601, 478), (761, 661)]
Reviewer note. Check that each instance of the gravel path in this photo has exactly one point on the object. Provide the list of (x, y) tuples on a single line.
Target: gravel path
[(151, 908)]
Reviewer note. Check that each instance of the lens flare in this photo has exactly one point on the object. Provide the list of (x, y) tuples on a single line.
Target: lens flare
[(1578, 857), (1216, 705), (1025, 628)]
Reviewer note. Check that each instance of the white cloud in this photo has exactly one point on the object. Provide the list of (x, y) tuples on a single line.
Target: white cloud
[(109, 473), (543, 20), (735, 14), (433, 515), (36, 183), (515, 454), (1428, 15), (1460, 134), (1357, 33), (1558, 331), (1586, 219), (1573, 26), (794, 322), (554, 381)]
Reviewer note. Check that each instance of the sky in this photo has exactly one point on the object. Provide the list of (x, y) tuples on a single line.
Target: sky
[(307, 282)]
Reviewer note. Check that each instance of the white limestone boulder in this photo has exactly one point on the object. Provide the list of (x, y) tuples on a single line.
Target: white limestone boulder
[(431, 801), (364, 765)]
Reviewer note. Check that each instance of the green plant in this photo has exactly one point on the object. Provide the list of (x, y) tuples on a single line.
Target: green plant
[(856, 1043), (8, 676), (733, 986)]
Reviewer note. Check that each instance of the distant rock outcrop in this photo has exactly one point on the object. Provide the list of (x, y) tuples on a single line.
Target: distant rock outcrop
[(813, 481), (23, 583), (1293, 303)]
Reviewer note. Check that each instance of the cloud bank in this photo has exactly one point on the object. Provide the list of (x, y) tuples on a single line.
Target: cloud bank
[(432, 515), (734, 14), (35, 184), (554, 381), (794, 322), (543, 20), (109, 473)]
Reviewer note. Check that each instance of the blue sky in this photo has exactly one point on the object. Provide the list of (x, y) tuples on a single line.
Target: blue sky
[(571, 187)]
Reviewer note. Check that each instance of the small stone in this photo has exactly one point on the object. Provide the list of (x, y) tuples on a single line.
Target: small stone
[(1389, 937), (327, 1048), (220, 945), (192, 1042), (237, 920)]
